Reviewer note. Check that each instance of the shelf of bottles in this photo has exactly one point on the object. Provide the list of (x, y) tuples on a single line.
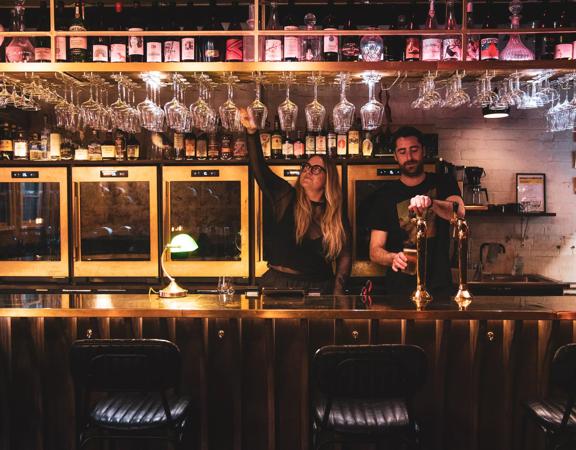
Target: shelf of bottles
[(139, 35)]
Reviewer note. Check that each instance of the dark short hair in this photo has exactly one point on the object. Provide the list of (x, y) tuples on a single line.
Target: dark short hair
[(404, 132)]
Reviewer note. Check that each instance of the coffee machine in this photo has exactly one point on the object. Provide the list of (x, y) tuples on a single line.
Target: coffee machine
[(474, 193)]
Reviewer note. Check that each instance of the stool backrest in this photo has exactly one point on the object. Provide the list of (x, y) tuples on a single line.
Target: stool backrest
[(130, 365), (563, 372), (383, 371)]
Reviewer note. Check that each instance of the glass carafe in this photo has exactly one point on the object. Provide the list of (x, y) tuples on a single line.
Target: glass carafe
[(515, 50), (20, 49)]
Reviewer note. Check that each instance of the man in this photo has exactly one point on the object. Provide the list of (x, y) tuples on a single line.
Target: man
[(391, 228)]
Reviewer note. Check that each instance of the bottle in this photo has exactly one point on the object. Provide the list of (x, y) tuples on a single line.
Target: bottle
[(171, 43), (276, 140), (42, 43), (35, 148), (273, 44), (100, 44), (6, 143), (66, 149), (342, 145), (473, 44), (489, 43), (136, 43), (350, 44), (213, 146), (81, 152), (235, 44), (189, 146), (78, 44), (371, 47), (515, 49), (118, 44), (367, 145), (41, 144), (354, 139), (154, 44), (311, 45), (292, 44), (546, 43), (202, 146), (20, 49), (212, 50), (321, 144), (120, 145), (55, 150), (412, 44), (179, 146), (226, 146), (310, 143), (240, 151), (248, 41), (451, 45), (288, 147), (331, 45), (2, 44), (60, 41), (266, 143), (132, 148), (108, 147), (332, 143), (188, 43), (396, 47), (299, 149), (564, 45), (431, 45), (20, 145)]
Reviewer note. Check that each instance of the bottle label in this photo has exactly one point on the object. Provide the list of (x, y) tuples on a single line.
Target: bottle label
[(188, 49), (201, 149), (190, 148), (266, 144), (563, 51), (276, 142), (310, 145), (331, 43), (118, 53), (331, 141), (288, 149), (133, 151), (292, 46), (412, 50), (341, 144), (6, 145), (431, 49), (99, 53), (172, 51), (574, 50), (298, 149), (320, 145), (353, 142), (273, 50), (350, 49), (61, 48), (55, 143), (212, 53), (108, 151), (473, 49), (489, 48), (153, 52), (240, 150), (81, 154), (42, 54), (20, 149), (452, 49), (135, 43), (367, 147), (78, 42), (178, 141), (234, 49)]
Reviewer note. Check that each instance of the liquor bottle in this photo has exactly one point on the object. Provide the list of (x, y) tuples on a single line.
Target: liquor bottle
[(321, 144), (311, 45), (367, 145), (118, 47), (172, 43), (546, 43), (240, 150), (431, 45), (342, 145), (265, 142), (310, 143), (100, 45), (81, 150), (226, 146), (515, 49), (248, 41), (451, 45), (132, 147), (332, 143), (276, 140), (20, 49), (412, 44), (273, 44), (179, 146), (136, 43), (61, 41), (213, 145), (35, 151), (354, 139), (154, 44), (235, 44), (212, 50), (292, 44), (188, 43), (6, 143), (564, 45), (288, 147), (299, 148), (66, 149), (78, 44), (489, 43), (20, 145), (55, 150), (202, 146), (108, 148), (331, 45), (42, 43), (350, 44), (120, 145), (371, 47), (396, 43), (190, 145), (473, 44)]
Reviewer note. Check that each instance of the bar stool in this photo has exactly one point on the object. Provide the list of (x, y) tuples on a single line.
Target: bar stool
[(556, 416), (140, 379), (365, 393)]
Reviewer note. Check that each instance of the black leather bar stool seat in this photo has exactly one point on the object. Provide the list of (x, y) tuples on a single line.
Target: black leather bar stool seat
[(549, 413)]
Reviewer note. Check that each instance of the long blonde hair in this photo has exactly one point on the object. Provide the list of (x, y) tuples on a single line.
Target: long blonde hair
[(333, 234)]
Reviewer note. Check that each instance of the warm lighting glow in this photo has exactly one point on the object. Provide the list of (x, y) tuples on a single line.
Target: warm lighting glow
[(182, 243), (493, 113)]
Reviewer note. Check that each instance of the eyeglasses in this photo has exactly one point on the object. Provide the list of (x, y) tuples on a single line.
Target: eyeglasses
[(314, 169)]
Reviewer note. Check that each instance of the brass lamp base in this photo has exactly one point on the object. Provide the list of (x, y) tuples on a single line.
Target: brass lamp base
[(421, 298), (463, 298), (172, 291)]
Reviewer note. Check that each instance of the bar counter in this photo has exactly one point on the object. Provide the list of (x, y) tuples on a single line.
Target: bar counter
[(246, 361)]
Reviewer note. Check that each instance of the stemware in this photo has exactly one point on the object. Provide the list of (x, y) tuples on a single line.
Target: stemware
[(203, 115), (288, 110), (176, 112), (372, 111), (258, 109), (315, 111), (343, 112), (229, 112)]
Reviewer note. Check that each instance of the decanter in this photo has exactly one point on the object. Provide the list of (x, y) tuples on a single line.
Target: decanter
[(20, 49), (371, 47), (515, 50)]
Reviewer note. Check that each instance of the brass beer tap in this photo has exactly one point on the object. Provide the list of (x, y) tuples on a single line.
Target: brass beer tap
[(461, 232), (421, 297)]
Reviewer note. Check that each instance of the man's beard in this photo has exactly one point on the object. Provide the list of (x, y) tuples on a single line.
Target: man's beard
[(414, 171)]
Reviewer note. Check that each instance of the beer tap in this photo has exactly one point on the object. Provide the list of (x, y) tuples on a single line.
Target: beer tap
[(421, 297), (461, 232)]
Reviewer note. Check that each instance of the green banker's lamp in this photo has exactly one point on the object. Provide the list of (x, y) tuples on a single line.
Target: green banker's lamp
[(181, 243)]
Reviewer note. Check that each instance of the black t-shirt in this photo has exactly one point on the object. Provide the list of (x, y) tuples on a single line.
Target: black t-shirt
[(390, 213)]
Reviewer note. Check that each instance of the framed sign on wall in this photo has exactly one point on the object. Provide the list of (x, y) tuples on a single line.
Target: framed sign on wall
[(531, 192)]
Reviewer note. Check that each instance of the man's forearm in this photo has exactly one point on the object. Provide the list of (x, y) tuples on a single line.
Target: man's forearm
[(444, 209), (382, 256)]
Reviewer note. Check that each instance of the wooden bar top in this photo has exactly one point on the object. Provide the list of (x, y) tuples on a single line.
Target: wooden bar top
[(272, 307)]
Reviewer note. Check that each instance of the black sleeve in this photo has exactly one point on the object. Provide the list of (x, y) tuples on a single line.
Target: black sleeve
[(448, 186), (344, 261)]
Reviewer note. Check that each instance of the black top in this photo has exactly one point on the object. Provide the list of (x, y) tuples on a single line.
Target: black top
[(390, 214), (308, 257)]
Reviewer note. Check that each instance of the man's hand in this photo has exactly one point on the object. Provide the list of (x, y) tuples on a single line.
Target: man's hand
[(419, 204), (247, 121), (399, 262)]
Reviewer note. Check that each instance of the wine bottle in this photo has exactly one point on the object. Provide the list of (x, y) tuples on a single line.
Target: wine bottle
[(350, 49), (235, 44), (412, 44), (489, 43), (212, 50), (331, 45), (78, 44), (100, 45), (154, 44), (396, 43), (172, 43), (136, 43), (292, 44), (299, 149), (546, 43), (20, 145), (60, 41), (431, 45), (118, 47), (311, 45), (188, 43), (273, 44), (42, 43), (6, 143), (564, 48), (288, 147), (276, 140), (473, 44), (451, 45)]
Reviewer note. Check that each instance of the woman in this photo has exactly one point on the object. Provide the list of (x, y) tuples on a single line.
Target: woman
[(308, 233)]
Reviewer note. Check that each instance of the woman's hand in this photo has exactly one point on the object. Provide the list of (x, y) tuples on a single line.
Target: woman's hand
[(247, 121)]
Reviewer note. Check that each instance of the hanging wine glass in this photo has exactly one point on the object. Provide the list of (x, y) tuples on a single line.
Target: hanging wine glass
[(315, 112), (229, 113), (258, 109), (288, 110), (176, 111), (343, 112), (372, 112)]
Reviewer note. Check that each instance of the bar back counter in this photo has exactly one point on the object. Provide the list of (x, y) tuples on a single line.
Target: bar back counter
[(246, 361)]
